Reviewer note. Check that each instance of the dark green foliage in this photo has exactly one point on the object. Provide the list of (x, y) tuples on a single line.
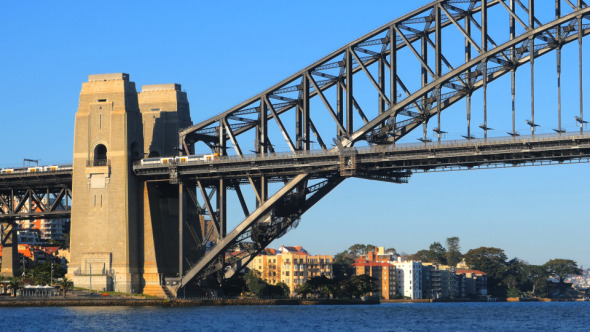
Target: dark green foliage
[(262, 289), (14, 283), (65, 284), (562, 268), (41, 274), (356, 250), (492, 261), (234, 286), (439, 253), (435, 254), (513, 292), (341, 266), (453, 253)]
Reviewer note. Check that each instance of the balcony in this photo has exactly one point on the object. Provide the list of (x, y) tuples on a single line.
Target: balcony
[(98, 163)]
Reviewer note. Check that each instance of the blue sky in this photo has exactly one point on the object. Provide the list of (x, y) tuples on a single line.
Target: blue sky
[(223, 53)]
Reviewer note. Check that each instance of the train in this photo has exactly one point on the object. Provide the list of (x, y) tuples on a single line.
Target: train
[(147, 161), (36, 169), (180, 159)]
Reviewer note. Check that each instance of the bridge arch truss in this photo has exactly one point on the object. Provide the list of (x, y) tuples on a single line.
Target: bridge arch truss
[(327, 103)]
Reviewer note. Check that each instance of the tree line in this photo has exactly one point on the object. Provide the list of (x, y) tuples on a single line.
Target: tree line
[(506, 277)]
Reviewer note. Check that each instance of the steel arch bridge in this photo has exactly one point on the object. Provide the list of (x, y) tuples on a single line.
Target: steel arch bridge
[(326, 102)]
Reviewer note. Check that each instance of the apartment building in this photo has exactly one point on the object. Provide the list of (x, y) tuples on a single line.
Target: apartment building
[(291, 265), (385, 274), (409, 278)]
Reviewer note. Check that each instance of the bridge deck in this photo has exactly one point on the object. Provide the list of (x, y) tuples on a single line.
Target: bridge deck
[(434, 156), (415, 157)]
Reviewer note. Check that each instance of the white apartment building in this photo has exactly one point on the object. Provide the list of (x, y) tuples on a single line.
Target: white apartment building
[(408, 278)]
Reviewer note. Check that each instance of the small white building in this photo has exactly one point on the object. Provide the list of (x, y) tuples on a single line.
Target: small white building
[(409, 278)]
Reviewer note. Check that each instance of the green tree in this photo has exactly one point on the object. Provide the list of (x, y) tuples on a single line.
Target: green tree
[(356, 250), (42, 273), (391, 251), (342, 266), (516, 275), (235, 285), (537, 276), (562, 268), (323, 285), (423, 256), (286, 291), (65, 285), (362, 284), (255, 284), (15, 283), (438, 252), (453, 253), (492, 261), (303, 289)]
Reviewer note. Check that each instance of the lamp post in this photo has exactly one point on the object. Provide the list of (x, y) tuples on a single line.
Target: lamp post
[(51, 278)]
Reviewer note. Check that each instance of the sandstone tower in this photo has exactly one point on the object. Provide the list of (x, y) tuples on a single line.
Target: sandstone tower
[(107, 139), (164, 110), (124, 232)]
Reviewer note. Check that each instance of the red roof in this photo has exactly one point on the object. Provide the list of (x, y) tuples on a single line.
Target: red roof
[(50, 249)]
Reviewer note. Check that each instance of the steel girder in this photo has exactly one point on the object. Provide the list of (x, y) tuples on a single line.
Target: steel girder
[(417, 33), (50, 201)]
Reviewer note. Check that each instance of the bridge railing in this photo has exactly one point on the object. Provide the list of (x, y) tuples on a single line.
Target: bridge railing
[(405, 147)]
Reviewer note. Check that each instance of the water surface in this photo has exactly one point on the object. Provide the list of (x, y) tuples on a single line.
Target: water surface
[(563, 316)]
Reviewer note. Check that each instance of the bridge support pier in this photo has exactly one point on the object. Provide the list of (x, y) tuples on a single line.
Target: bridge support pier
[(9, 250)]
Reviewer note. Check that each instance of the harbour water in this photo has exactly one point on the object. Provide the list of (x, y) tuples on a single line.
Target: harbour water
[(562, 316)]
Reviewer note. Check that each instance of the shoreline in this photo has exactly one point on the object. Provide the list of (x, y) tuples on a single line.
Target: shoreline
[(77, 302), (141, 302)]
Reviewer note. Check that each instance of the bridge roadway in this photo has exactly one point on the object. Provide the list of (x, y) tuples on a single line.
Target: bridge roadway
[(385, 162), (414, 157)]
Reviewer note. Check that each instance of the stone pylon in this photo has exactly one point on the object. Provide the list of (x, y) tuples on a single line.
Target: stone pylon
[(106, 212), (164, 110)]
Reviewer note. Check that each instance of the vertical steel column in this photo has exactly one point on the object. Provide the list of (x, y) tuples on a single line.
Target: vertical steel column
[(263, 148), (263, 131), (513, 71), (306, 113), (222, 208), (393, 73), (349, 103), (221, 190), (381, 83), (468, 75), (181, 213), (580, 35), (558, 53), (424, 54), (484, 49), (299, 120), (438, 65), (532, 62), (339, 105)]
